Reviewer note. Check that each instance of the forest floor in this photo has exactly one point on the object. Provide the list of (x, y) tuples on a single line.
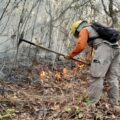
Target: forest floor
[(42, 93)]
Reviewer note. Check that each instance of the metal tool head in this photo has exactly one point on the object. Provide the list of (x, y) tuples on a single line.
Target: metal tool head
[(19, 42)]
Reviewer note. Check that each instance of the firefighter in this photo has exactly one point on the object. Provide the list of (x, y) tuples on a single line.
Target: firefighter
[(104, 65)]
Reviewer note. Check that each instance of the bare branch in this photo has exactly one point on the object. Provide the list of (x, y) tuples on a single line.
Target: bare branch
[(5, 9), (111, 12), (70, 6), (105, 9), (94, 7)]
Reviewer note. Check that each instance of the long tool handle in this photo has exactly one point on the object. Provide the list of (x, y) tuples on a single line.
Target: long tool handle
[(47, 49)]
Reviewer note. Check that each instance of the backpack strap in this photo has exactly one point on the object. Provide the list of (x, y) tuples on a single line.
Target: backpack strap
[(93, 38), (113, 45), (92, 33)]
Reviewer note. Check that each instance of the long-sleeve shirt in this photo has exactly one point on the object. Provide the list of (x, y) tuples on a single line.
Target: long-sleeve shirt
[(81, 43)]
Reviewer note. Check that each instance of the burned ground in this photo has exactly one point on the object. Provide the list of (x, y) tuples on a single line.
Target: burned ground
[(42, 92)]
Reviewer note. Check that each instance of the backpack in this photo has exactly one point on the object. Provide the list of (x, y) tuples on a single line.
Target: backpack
[(106, 33)]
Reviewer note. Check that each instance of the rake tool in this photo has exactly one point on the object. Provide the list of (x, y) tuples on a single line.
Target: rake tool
[(47, 49)]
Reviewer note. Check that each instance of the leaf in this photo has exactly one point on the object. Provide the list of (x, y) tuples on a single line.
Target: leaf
[(5, 116), (80, 115), (67, 109), (99, 117), (8, 113), (87, 101)]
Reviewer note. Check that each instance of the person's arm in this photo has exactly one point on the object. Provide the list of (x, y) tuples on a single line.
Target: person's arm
[(81, 43)]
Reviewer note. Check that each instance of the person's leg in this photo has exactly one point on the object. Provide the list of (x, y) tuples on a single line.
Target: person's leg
[(113, 79), (113, 92), (95, 89), (99, 67)]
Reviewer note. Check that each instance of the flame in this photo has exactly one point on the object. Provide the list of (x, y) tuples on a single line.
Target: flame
[(43, 75), (58, 76), (65, 73), (75, 71)]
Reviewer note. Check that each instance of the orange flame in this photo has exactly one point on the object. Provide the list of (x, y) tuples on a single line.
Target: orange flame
[(58, 76), (65, 73), (43, 75)]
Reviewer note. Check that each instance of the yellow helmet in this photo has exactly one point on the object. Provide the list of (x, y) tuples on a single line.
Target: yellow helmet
[(78, 25), (75, 26)]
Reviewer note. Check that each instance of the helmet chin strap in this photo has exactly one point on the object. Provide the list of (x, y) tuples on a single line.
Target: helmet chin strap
[(76, 35)]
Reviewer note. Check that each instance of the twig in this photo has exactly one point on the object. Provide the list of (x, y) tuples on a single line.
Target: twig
[(2, 67), (105, 9), (5, 9)]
